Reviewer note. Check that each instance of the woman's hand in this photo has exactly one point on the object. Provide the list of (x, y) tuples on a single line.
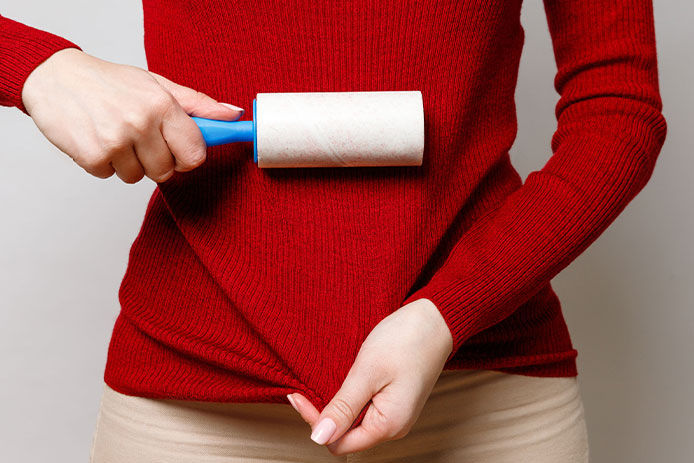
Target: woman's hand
[(396, 369), (117, 118)]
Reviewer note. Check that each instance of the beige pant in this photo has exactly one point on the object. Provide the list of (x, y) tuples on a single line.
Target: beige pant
[(471, 416)]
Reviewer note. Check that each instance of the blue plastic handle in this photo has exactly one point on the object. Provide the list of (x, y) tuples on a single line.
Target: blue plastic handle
[(217, 132)]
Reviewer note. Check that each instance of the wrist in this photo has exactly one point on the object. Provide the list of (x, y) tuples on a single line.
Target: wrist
[(431, 314), (35, 81)]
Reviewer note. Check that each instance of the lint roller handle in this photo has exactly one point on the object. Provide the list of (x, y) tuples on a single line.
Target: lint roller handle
[(217, 132)]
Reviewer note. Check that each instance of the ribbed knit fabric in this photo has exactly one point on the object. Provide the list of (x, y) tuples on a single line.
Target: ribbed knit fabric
[(22, 48), (245, 284)]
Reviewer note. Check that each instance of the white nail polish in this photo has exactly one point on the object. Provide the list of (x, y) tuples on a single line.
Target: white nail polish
[(231, 106), (291, 401), (323, 431)]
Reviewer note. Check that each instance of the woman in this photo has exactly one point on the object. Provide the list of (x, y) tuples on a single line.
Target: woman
[(404, 312)]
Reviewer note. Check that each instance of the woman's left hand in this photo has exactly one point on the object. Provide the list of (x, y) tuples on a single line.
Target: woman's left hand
[(396, 369)]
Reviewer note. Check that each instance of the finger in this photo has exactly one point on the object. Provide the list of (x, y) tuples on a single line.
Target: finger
[(101, 169), (356, 391), (372, 431), (199, 104), (155, 156), (86, 151), (305, 408), (127, 167), (390, 415), (183, 138)]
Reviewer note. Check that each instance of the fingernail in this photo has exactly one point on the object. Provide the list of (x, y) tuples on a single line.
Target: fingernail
[(323, 431), (231, 106), (291, 401)]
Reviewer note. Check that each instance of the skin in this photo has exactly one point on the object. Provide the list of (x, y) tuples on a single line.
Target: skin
[(395, 369), (112, 118)]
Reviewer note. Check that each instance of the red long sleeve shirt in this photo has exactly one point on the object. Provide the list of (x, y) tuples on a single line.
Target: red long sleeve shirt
[(245, 284)]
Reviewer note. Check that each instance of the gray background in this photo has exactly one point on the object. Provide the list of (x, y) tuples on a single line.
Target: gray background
[(65, 239)]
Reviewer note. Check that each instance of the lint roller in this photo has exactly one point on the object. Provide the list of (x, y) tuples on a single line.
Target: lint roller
[(328, 129)]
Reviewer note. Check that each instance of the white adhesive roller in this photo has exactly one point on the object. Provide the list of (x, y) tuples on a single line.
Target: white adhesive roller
[(328, 129)]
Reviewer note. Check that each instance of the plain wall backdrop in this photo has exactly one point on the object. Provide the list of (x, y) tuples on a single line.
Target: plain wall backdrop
[(65, 238)]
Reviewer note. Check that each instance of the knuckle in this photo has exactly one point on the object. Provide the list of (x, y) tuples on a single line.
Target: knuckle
[(162, 177), (103, 173), (192, 157), (93, 164), (388, 426), (112, 141), (202, 98), (343, 409), (392, 429), (400, 424), (161, 102), (197, 157), (401, 432), (139, 120)]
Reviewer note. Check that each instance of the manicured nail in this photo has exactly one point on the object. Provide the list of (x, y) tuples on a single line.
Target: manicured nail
[(231, 106), (323, 431), (291, 401), (235, 108)]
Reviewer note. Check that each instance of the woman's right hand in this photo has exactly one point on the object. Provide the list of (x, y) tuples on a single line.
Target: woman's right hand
[(118, 118)]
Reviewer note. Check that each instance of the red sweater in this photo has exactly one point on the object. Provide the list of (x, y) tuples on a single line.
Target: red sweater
[(245, 284)]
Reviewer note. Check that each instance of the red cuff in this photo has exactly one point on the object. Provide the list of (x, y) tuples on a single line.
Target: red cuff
[(22, 49)]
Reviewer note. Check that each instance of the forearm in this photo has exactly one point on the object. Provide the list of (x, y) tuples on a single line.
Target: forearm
[(609, 133)]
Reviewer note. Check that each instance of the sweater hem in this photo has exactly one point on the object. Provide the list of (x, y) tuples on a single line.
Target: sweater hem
[(564, 367), (128, 365)]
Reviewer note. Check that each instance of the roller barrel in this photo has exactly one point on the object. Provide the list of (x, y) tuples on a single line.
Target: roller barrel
[(339, 129)]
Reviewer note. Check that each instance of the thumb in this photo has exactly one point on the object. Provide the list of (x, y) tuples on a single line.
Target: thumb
[(338, 415), (198, 104)]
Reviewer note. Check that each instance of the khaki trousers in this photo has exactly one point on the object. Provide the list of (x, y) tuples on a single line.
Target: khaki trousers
[(471, 416)]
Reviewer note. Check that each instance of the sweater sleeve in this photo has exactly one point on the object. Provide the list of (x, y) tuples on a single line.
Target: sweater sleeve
[(22, 49), (609, 133)]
